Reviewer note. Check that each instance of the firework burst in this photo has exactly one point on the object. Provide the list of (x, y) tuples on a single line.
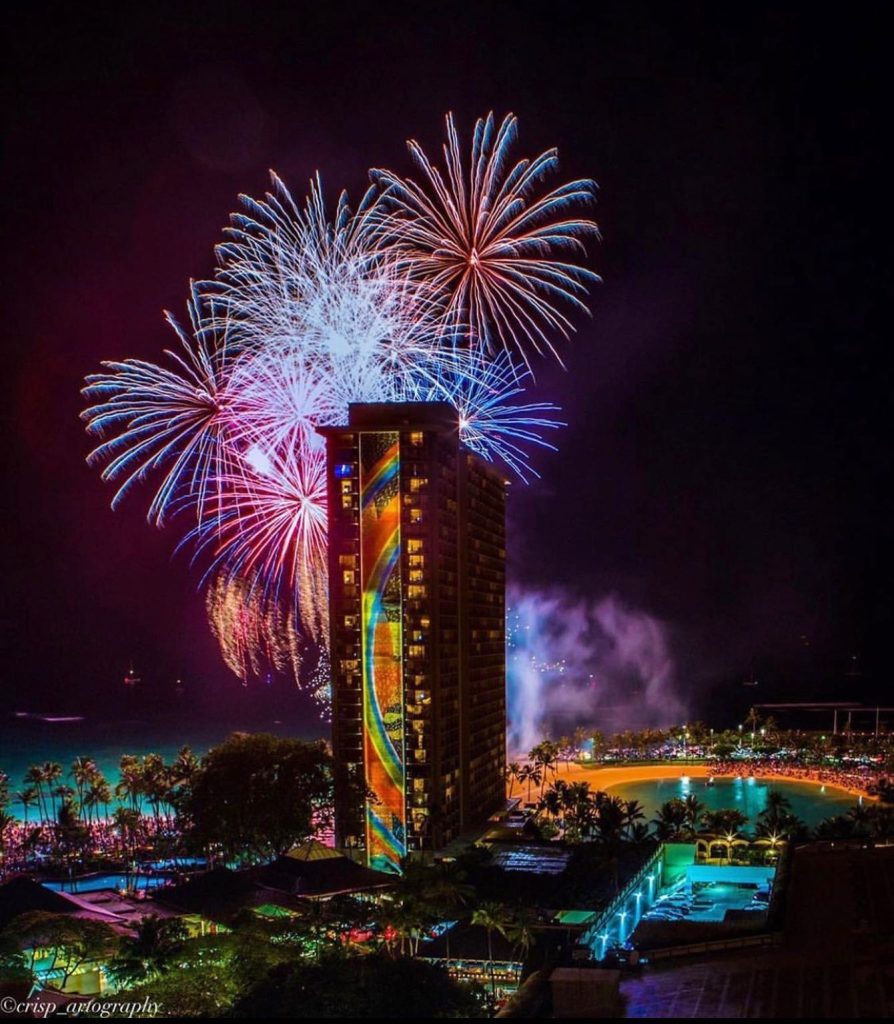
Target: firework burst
[(421, 293), (173, 417), (493, 422), (497, 251)]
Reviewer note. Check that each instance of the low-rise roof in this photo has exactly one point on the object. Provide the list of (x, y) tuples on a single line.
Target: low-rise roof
[(313, 873)]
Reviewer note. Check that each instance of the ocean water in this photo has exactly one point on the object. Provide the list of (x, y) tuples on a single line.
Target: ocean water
[(25, 741), (810, 802)]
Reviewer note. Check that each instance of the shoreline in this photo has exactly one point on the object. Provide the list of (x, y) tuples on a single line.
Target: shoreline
[(604, 777)]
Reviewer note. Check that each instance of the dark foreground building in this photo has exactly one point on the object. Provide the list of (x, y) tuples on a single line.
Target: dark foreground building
[(417, 584)]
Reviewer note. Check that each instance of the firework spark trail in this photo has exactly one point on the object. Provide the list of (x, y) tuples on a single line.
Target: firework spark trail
[(252, 633), (160, 415), (270, 526), (491, 423), (418, 294)]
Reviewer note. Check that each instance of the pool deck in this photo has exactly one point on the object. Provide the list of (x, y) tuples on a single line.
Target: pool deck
[(601, 777)]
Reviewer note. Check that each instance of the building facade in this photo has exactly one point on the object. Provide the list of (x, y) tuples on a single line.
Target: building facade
[(417, 551)]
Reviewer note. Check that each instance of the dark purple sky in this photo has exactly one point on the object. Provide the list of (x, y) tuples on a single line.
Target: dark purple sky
[(724, 462)]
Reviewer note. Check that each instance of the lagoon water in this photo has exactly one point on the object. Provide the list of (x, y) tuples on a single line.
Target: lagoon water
[(810, 802)]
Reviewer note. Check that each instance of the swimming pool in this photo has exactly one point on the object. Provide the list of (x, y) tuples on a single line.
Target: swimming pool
[(810, 802), (93, 883)]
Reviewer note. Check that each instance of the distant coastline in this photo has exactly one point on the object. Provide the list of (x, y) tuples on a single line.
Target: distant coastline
[(28, 738)]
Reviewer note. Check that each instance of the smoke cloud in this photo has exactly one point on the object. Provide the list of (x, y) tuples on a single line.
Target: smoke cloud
[(573, 662)]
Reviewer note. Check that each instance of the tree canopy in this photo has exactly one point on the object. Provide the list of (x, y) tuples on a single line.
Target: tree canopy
[(258, 795), (377, 986)]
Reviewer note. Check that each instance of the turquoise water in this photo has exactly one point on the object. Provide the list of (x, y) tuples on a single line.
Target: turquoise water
[(810, 802), (28, 741), (96, 883)]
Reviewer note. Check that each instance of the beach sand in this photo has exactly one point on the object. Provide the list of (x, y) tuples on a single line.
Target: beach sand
[(602, 777)]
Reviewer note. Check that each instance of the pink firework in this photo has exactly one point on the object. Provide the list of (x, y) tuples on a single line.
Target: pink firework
[(484, 236), (270, 525)]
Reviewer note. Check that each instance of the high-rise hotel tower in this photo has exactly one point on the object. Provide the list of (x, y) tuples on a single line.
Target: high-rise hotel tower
[(417, 553)]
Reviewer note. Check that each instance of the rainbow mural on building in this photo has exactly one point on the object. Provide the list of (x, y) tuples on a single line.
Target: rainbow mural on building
[(383, 698)]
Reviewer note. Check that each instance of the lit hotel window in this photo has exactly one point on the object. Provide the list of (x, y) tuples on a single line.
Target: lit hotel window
[(416, 590), (346, 501), (416, 575), (417, 650), (417, 483), (414, 545), (415, 515), (348, 576), (346, 487), (416, 438)]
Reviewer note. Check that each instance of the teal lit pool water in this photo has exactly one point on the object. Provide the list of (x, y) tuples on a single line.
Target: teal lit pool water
[(95, 883), (810, 802)]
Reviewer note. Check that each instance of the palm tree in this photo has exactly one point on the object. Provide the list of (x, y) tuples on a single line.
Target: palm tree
[(35, 777), (83, 771), (531, 774), (552, 800), (151, 951), (670, 821), (447, 894), (65, 795), (633, 813), (512, 775), (130, 786), (838, 827), (52, 773), (610, 823), (753, 719), (639, 833), (564, 749), (27, 797), (521, 934), (725, 821), (493, 917), (579, 805), (544, 757), (694, 810), (777, 816), (127, 821), (155, 782), (99, 792)]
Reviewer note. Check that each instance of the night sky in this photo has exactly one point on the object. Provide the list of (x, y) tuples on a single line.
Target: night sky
[(726, 451)]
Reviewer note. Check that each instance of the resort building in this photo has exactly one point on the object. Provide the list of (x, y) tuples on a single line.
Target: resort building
[(417, 557)]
